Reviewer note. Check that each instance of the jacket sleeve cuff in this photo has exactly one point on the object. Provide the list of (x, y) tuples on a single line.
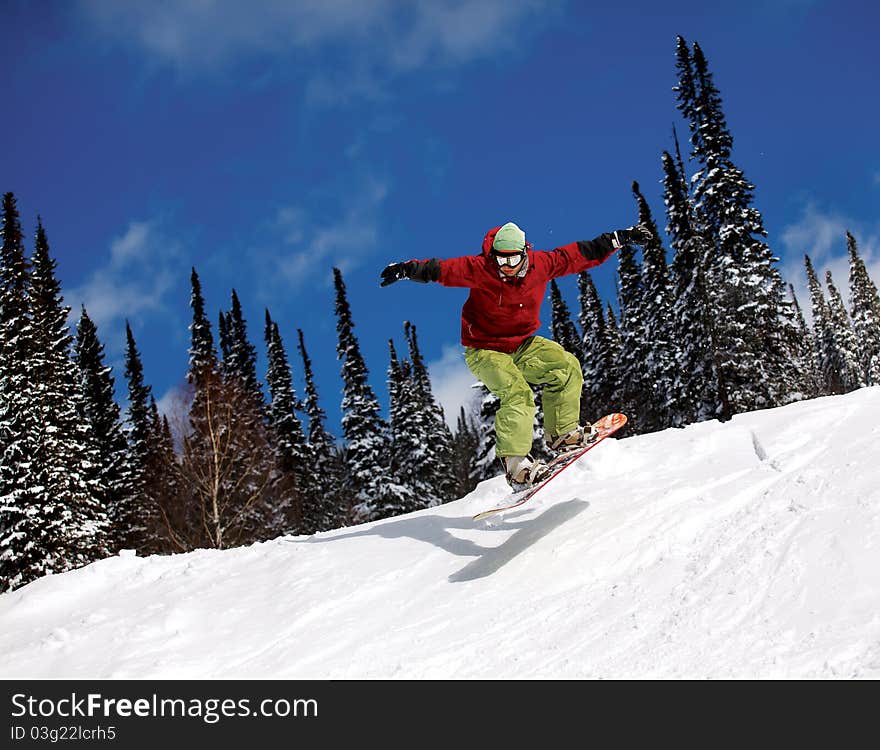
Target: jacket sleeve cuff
[(426, 270), (597, 250)]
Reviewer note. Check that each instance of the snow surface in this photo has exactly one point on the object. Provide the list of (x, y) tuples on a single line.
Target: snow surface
[(736, 550)]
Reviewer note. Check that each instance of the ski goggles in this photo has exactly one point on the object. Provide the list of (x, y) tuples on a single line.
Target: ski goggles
[(512, 260)]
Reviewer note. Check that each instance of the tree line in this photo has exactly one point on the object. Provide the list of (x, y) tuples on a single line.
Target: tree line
[(710, 334)]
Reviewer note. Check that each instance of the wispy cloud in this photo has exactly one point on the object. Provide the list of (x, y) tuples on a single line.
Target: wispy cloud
[(822, 235), (310, 242), (134, 282), (378, 37)]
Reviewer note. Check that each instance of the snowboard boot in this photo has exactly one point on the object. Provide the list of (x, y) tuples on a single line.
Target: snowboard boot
[(523, 472), (579, 437)]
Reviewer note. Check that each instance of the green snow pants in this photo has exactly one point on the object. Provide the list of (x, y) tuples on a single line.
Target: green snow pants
[(538, 361)]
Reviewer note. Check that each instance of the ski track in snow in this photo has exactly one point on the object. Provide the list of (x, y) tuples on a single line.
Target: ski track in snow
[(736, 550)]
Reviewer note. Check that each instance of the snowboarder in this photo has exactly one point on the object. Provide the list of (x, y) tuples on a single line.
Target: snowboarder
[(507, 283)]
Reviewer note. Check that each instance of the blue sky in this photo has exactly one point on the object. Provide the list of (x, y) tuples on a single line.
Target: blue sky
[(266, 142)]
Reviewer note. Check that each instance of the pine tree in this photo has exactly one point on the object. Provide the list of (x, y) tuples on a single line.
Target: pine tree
[(363, 428), (66, 464), (827, 356), (806, 351), (438, 437), (562, 327), (633, 385), (101, 412), (845, 347), (755, 331), (695, 388), (865, 311), (324, 457), (202, 354), (486, 466), (22, 558), (599, 363), (288, 437), (142, 527), (409, 474), (660, 340), (240, 359), (466, 446)]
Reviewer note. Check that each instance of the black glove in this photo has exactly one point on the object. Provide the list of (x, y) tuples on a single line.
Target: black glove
[(637, 235), (422, 271)]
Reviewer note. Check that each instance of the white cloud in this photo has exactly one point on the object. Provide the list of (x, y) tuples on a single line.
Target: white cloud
[(135, 281), (452, 383), (345, 241), (376, 35), (822, 235)]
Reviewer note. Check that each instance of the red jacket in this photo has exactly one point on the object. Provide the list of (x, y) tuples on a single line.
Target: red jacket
[(501, 313)]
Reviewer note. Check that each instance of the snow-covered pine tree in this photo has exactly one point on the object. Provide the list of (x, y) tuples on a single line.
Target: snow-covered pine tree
[(102, 413), (599, 363), (363, 428), (823, 336), (806, 351), (202, 354), (65, 466), (846, 349), (438, 437), (143, 528), (409, 473), (327, 470), (21, 558), (865, 312), (486, 466), (288, 439), (755, 331), (633, 386), (695, 388), (240, 362), (660, 339), (562, 328), (612, 332), (465, 455)]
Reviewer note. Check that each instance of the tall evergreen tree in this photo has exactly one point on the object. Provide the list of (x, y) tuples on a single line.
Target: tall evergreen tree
[(599, 362), (288, 437), (324, 457), (845, 347), (241, 359), (695, 388), (865, 311), (486, 466), (202, 354), (363, 428), (660, 340), (438, 437), (466, 446), (806, 351), (827, 359), (754, 323), (143, 525), (562, 327), (21, 559), (633, 384), (410, 476), (66, 464), (102, 413)]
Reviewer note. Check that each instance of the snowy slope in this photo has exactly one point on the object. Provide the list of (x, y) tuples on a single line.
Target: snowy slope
[(744, 549)]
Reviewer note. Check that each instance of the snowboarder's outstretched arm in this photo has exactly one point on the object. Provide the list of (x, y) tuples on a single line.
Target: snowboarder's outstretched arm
[(422, 271), (463, 271)]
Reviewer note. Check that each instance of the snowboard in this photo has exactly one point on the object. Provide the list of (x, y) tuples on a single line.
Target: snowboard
[(608, 425)]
